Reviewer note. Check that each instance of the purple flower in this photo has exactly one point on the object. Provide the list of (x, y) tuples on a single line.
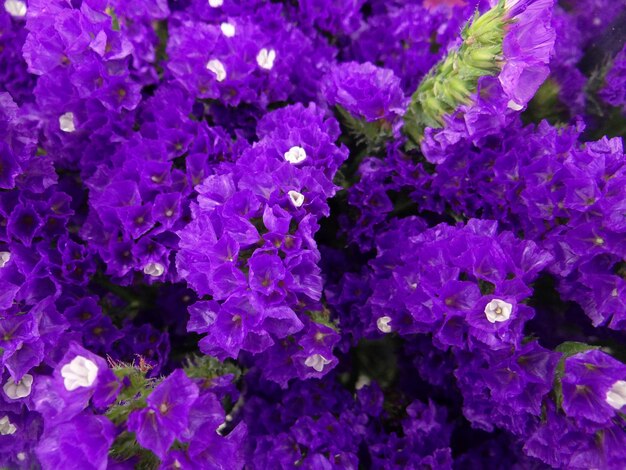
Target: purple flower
[(166, 415), (615, 81), (593, 386), (83, 441), (80, 376), (365, 91)]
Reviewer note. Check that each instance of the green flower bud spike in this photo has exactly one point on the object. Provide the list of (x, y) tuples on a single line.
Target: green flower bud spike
[(454, 79)]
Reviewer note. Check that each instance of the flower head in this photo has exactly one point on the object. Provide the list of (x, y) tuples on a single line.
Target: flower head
[(167, 413)]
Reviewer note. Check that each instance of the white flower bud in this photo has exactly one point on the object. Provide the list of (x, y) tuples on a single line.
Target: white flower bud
[(154, 269), (217, 68), (317, 362), (5, 257), (66, 122), (81, 372), (6, 427), (228, 29), (498, 311), (296, 198), (383, 324), (19, 389), (15, 8), (295, 155), (216, 3), (265, 58), (616, 396)]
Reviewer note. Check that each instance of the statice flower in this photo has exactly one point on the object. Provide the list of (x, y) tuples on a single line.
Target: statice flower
[(250, 245), (15, 78), (475, 299), (365, 91), (218, 249), (83, 440), (593, 387), (613, 91), (166, 415), (259, 63)]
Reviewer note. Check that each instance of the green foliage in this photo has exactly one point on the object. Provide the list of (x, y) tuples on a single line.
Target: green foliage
[(133, 394), (323, 317), (371, 135), (115, 21), (454, 79), (126, 447), (209, 367)]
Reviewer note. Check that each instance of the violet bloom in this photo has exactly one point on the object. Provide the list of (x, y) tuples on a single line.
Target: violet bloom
[(80, 376), (166, 416), (82, 442), (365, 91), (593, 386), (614, 91)]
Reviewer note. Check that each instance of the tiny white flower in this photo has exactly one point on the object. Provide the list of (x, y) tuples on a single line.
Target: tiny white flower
[(217, 68), (228, 29), (216, 3), (295, 155), (6, 427), (296, 198), (265, 58), (15, 8), (514, 106), (498, 310), (154, 269), (19, 389), (383, 324), (616, 396), (5, 257), (81, 372), (66, 122), (21, 456), (362, 381), (317, 362)]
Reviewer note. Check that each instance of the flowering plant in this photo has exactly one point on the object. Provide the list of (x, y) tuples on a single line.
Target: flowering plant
[(350, 234)]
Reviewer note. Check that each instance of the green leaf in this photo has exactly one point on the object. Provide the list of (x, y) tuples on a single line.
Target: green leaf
[(373, 135), (323, 318), (126, 447), (209, 367), (115, 21), (569, 348)]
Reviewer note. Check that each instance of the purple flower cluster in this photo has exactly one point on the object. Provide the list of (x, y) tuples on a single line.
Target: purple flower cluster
[(316, 234)]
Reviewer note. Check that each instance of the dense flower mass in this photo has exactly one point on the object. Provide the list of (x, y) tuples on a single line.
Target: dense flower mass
[(317, 234)]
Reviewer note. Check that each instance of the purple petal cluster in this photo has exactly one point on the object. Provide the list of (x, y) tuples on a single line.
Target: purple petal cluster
[(316, 234)]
